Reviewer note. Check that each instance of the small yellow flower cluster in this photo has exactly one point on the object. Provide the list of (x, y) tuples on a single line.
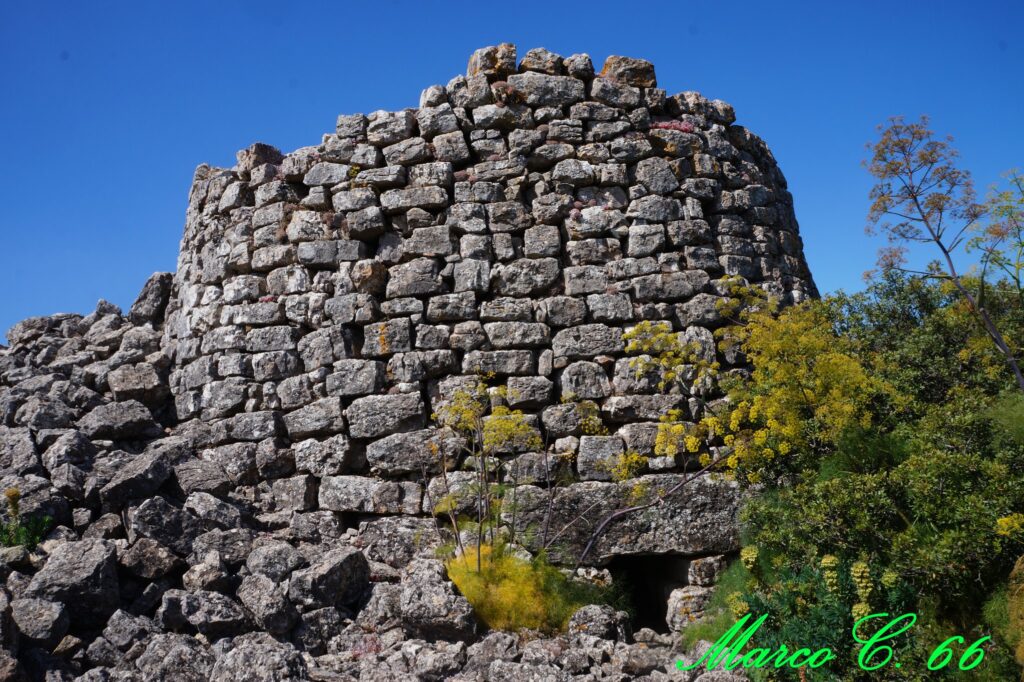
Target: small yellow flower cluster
[(507, 427), (737, 605), (830, 572), (860, 610), (861, 574), (748, 555), (638, 493), (465, 410), (1011, 526), (627, 466), (591, 423)]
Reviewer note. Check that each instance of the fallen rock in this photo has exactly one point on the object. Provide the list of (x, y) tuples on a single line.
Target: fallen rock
[(338, 577), (213, 614), (41, 622), (259, 657), (119, 421), (429, 606), (148, 559), (141, 478), (82, 576), (267, 604)]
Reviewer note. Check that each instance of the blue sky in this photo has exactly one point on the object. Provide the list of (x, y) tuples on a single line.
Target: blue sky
[(107, 108)]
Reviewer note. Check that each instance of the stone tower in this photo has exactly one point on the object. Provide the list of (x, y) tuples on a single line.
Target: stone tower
[(514, 225), (280, 386)]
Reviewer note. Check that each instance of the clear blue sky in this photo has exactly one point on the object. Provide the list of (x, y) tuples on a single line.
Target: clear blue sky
[(107, 108)]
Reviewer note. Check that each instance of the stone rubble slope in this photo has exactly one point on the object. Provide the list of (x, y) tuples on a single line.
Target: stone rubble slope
[(234, 468)]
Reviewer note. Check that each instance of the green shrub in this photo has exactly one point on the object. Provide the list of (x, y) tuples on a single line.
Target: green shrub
[(996, 614), (1008, 416), (509, 593), (913, 503)]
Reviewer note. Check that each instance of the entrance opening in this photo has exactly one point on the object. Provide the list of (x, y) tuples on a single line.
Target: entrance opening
[(644, 584)]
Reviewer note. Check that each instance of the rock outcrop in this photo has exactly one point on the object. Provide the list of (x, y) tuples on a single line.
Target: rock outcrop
[(241, 471)]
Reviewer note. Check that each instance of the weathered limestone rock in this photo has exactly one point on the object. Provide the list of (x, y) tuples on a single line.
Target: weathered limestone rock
[(359, 494), (18, 452), (175, 656), (493, 61), (140, 478), (598, 456), (699, 519), (267, 605), (429, 607), (149, 559), (116, 421), (629, 71), (396, 540), (338, 577), (375, 416), (275, 559), (40, 621), (82, 576), (152, 300), (275, 660), (411, 453), (686, 606), (212, 614)]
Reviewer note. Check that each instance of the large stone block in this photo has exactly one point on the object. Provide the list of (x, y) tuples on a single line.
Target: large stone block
[(355, 378), (587, 340), (525, 277), (414, 452), (325, 416), (501, 362), (368, 495), (699, 518), (380, 415), (81, 575)]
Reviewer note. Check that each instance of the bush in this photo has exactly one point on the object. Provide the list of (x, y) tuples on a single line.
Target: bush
[(509, 593), (885, 435)]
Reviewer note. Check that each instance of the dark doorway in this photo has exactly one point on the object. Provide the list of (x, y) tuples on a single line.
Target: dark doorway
[(645, 583)]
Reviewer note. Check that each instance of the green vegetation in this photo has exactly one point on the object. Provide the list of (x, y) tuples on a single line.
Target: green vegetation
[(27, 532), (883, 431), (510, 593), (882, 436), (507, 591)]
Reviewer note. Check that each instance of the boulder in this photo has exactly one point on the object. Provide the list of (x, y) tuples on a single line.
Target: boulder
[(119, 421), (272, 659), (82, 576), (275, 559), (212, 614), (141, 477), (699, 518), (40, 621), (267, 604), (338, 577), (429, 606)]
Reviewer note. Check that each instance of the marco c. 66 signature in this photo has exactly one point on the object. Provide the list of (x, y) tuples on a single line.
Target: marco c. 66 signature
[(874, 652)]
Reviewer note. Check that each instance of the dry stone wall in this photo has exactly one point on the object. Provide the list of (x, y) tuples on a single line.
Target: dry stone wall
[(243, 466)]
